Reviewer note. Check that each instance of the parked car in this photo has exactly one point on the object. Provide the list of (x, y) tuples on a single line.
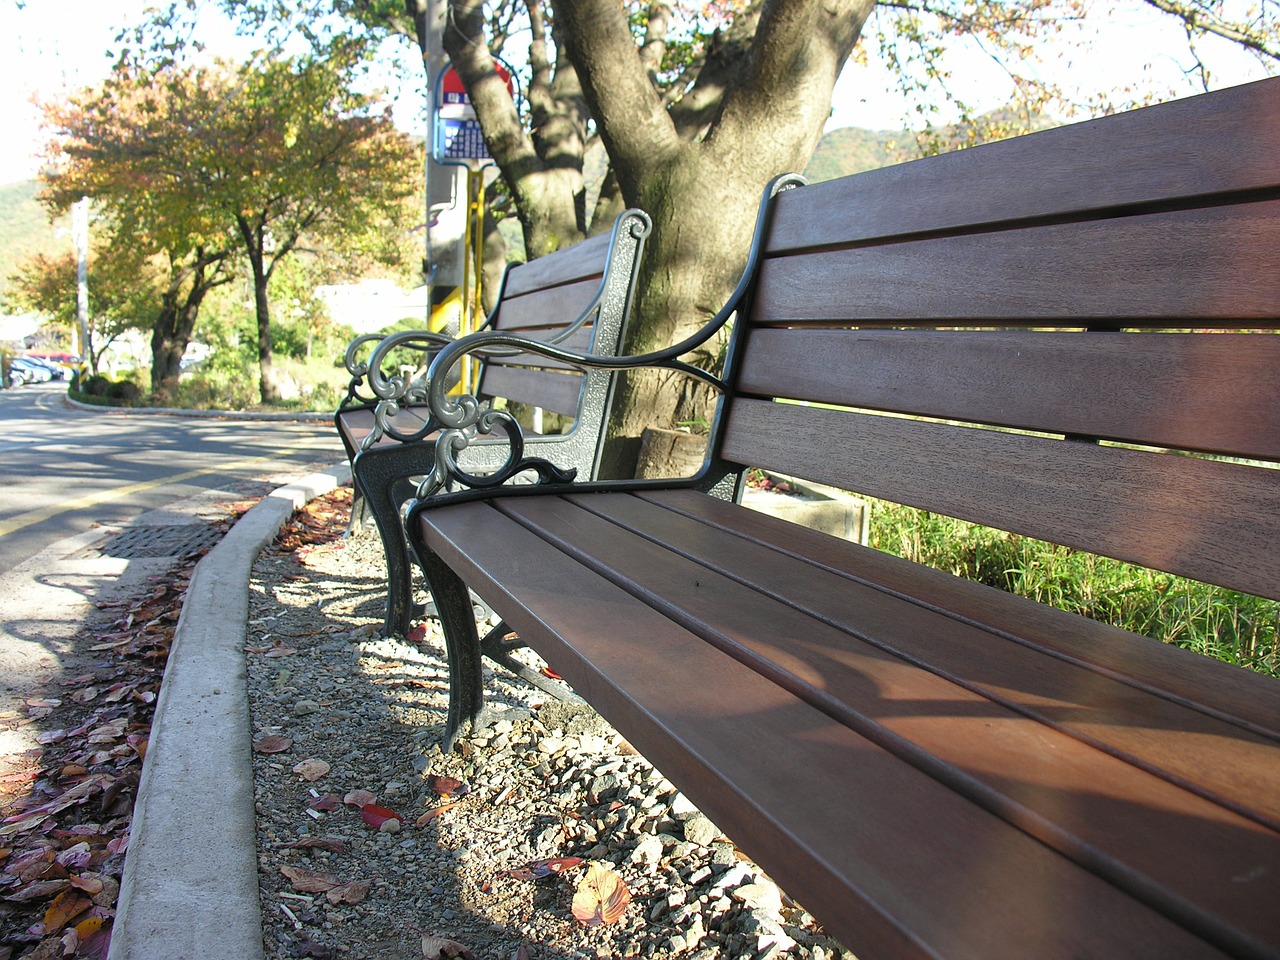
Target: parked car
[(33, 371)]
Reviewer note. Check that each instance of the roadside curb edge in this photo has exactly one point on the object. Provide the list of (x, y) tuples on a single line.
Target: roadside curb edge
[(190, 884)]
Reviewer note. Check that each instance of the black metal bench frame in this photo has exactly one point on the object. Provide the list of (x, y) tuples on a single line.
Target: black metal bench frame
[(392, 456)]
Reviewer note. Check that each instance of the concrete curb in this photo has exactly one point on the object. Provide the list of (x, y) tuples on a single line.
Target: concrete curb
[(305, 415), (190, 884)]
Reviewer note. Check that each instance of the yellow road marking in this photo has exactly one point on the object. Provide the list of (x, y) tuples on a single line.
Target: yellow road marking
[(23, 520)]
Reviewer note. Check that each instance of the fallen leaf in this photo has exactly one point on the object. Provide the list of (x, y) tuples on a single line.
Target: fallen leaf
[(310, 881), (281, 652), (431, 814), (416, 634), (438, 948), (350, 893), (272, 743), (537, 869), (601, 897), (548, 672), (311, 769), (376, 816), (359, 798), (88, 882), (318, 843), (447, 786), (65, 906), (37, 891), (326, 804)]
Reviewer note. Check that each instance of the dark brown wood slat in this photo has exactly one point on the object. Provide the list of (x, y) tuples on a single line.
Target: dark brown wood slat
[(1206, 520), (1194, 268), (1218, 394), (1178, 742), (550, 309), (1233, 694), (357, 423), (1113, 817), (558, 392), (893, 863), (582, 261), (1134, 158)]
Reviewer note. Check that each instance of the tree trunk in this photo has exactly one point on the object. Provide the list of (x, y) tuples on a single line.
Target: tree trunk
[(703, 194), (179, 310), (268, 385)]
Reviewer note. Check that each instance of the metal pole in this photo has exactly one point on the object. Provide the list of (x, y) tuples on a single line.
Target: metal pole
[(80, 231)]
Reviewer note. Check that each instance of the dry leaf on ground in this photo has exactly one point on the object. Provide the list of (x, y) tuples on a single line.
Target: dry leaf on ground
[(349, 893), (272, 743), (601, 897), (311, 769), (376, 816), (310, 881), (438, 948)]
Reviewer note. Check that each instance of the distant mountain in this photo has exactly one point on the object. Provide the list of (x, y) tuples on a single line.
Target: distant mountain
[(24, 227), (853, 150)]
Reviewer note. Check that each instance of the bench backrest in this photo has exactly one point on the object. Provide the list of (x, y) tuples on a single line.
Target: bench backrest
[(1019, 335), (539, 299)]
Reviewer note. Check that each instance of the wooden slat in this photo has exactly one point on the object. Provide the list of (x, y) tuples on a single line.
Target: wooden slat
[(1210, 521), (1016, 732), (537, 388), (1217, 394), (1186, 268), (553, 307), (893, 862), (581, 261), (357, 423), (1233, 694), (1200, 147)]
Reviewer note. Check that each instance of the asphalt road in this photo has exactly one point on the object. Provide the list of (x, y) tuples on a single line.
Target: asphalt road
[(65, 469)]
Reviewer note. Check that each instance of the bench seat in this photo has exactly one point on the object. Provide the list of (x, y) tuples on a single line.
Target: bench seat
[(938, 759), (1071, 337)]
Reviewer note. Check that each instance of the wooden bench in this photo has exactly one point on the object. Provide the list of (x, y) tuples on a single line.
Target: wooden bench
[(1070, 336), (578, 297)]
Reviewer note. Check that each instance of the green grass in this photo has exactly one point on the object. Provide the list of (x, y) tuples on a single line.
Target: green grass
[(1224, 624)]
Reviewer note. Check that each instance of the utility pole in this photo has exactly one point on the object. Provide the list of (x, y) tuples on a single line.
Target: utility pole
[(80, 232), (446, 191)]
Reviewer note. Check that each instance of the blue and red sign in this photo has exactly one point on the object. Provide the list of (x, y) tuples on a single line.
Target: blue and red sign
[(457, 135)]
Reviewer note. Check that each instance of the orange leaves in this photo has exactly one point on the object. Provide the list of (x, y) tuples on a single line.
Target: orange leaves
[(601, 897), (65, 906)]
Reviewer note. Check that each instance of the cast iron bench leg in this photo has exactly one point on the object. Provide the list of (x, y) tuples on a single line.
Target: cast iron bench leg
[(462, 643), (382, 477)]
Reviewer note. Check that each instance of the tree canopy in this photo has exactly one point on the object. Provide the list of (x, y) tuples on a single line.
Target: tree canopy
[(212, 166), (698, 105)]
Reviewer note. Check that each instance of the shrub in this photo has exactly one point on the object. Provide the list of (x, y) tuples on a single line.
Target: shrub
[(1235, 627)]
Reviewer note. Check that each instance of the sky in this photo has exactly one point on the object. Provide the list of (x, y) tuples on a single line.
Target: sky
[(46, 52)]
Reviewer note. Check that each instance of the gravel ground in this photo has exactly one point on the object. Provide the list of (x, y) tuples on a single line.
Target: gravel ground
[(475, 857)]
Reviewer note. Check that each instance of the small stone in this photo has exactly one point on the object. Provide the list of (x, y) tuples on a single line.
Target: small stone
[(648, 853), (762, 895), (305, 707), (701, 831), (390, 825), (682, 807)]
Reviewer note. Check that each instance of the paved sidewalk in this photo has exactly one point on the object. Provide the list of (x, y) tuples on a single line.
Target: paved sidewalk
[(190, 886)]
